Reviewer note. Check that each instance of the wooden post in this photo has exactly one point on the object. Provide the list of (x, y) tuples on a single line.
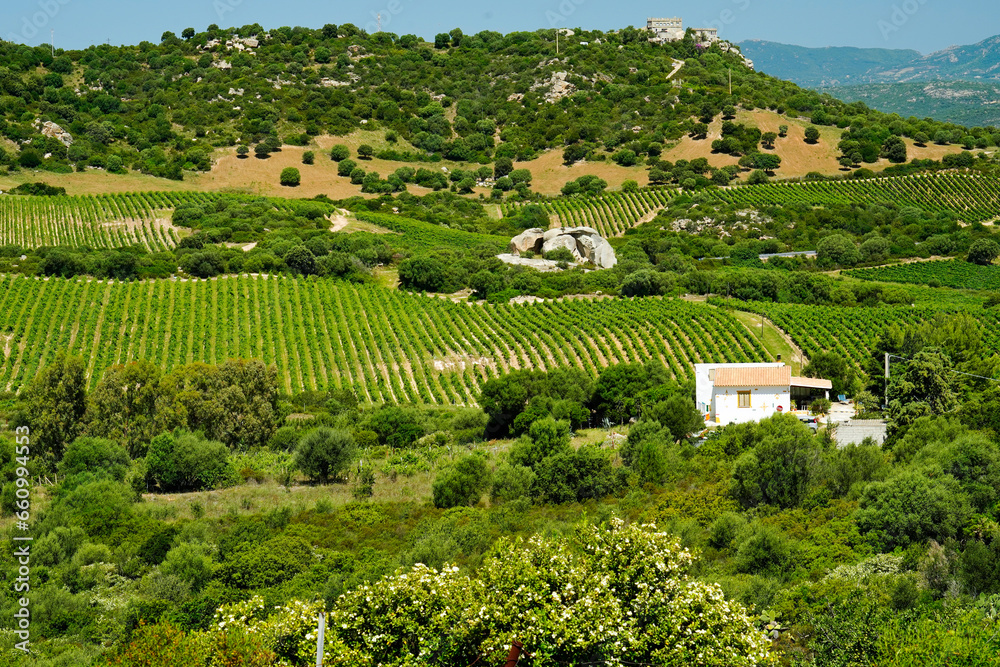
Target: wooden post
[(514, 654)]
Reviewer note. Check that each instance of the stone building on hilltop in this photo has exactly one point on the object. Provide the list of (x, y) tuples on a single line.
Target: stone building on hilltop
[(672, 30)]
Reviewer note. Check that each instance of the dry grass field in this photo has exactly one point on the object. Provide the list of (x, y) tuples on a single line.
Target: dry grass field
[(251, 175)]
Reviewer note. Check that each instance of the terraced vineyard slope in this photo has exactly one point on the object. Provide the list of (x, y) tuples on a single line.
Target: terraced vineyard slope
[(320, 333), (853, 332), (102, 221), (973, 196), (611, 213), (946, 273)]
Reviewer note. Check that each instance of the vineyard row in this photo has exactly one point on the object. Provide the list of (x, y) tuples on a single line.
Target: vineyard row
[(387, 345)]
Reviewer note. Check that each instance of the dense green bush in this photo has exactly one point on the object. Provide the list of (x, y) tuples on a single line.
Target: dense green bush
[(463, 483), (325, 454), (185, 461), (94, 455), (779, 469), (911, 507)]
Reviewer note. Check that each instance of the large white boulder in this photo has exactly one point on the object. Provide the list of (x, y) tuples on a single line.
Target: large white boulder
[(543, 265), (585, 243), (604, 255), (530, 239), (561, 241)]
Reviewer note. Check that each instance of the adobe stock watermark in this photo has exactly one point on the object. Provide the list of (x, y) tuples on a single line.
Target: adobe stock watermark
[(223, 7), (566, 8), (383, 19), (900, 16), (32, 24), (729, 16), (22, 543)]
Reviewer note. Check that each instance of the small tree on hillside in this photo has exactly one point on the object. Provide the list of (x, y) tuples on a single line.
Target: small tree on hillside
[(340, 152), (325, 453), (290, 177), (984, 252), (812, 135)]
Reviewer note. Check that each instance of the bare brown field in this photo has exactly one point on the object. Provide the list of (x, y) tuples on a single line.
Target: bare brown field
[(549, 173), (261, 176), (797, 157)]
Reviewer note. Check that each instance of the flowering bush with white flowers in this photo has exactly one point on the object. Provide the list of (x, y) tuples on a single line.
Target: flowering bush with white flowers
[(289, 630), (419, 617), (612, 594)]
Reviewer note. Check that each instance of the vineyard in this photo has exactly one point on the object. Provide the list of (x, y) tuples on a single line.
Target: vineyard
[(610, 214), (388, 345), (945, 273), (975, 197), (417, 234), (102, 221), (853, 332)]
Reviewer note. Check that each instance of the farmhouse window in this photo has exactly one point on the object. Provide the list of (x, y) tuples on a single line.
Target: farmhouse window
[(744, 397)]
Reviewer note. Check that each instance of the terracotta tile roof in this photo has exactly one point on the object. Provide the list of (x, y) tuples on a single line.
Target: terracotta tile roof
[(753, 377), (812, 383)]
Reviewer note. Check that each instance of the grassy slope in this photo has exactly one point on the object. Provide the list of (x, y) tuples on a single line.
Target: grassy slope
[(254, 176)]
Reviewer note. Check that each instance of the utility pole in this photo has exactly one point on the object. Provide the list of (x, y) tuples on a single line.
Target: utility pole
[(557, 42), (319, 639), (730, 81), (886, 402)]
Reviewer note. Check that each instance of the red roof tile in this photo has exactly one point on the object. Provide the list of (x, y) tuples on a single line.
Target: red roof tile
[(753, 377)]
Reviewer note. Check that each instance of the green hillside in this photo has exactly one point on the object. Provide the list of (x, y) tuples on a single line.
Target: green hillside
[(164, 109), (235, 408)]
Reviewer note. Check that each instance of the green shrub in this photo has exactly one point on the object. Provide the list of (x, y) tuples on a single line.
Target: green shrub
[(910, 507), (463, 483), (95, 454), (290, 177), (765, 551), (99, 507), (511, 482), (325, 453), (575, 476), (726, 528), (339, 153), (187, 462)]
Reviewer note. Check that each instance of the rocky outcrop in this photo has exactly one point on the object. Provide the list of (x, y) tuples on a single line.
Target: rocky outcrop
[(529, 241), (543, 265), (53, 131), (586, 244), (561, 241)]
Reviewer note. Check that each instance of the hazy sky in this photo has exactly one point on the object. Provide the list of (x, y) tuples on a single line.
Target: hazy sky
[(924, 25)]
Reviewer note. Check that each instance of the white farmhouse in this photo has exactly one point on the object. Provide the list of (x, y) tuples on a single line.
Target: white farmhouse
[(738, 393)]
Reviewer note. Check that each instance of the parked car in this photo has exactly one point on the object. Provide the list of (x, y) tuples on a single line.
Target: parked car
[(811, 422)]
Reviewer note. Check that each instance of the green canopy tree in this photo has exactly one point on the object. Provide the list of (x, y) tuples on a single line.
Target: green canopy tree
[(53, 405)]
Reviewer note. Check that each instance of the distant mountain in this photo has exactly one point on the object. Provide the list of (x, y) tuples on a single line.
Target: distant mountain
[(846, 66), (977, 62), (954, 85), (819, 68), (963, 102)]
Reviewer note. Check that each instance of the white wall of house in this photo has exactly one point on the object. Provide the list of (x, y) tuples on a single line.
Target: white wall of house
[(705, 379), (764, 403)]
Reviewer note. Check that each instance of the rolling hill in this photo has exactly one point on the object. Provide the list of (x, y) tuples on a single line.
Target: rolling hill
[(956, 85)]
